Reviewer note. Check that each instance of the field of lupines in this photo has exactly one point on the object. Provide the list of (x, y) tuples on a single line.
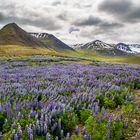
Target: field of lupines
[(67, 101)]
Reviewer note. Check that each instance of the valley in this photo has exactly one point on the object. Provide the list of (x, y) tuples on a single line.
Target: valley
[(52, 91)]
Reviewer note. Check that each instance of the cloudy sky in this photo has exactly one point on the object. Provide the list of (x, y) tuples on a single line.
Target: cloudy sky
[(76, 21)]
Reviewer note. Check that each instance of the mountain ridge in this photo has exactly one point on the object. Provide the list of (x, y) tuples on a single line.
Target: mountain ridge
[(12, 34), (53, 41), (100, 45)]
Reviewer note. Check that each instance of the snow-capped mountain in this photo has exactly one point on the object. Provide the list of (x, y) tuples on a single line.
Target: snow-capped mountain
[(51, 41), (120, 47), (123, 47), (135, 47), (97, 44)]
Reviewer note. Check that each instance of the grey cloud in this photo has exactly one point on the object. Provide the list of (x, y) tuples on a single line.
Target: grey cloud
[(90, 21), (56, 3), (115, 6), (63, 16), (34, 20), (134, 16), (48, 24), (97, 22), (1, 16), (125, 11), (107, 25), (73, 29)]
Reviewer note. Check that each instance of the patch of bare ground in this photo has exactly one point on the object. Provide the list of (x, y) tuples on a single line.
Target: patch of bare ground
[(135, 133)]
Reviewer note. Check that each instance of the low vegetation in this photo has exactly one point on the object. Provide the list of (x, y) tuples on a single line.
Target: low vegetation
[(67, 101)]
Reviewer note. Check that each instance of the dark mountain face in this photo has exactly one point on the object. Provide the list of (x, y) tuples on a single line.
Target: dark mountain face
[(52, 41), (12, 34)]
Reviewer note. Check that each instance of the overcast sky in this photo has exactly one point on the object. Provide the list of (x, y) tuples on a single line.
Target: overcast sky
[(76, 21)]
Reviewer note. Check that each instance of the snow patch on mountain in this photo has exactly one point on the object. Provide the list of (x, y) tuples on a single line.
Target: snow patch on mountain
[(97, 44), (123, 47)]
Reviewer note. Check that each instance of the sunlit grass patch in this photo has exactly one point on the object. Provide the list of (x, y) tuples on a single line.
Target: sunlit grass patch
[(16, 50)]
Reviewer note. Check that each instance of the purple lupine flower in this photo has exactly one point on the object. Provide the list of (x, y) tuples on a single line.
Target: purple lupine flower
[(45, 129), (62, 133), (15, 137), (103, 110), (125, 124), (89, 137), (41, 130), (83, 131), (76, 129), (13, 125), (101, 116), (56, 138), (108, 134), (53, 128), (85, 137), (31, 137), (96, 108), (0, 107), (137, 109), (130, 113), (67, 137), (19, 116), (95, 117), (109, 116), (47, 137), (118, 107), (13, 133), (59, 124), (19, 132), (108, 125)]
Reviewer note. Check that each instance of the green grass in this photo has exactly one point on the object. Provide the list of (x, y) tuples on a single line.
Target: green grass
[(18, 50), (130, 59), (12, 51)]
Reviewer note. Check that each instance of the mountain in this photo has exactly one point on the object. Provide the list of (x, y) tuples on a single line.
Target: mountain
[(135, 47), (123, 47), (110, 49), (76, 46), (97, 44), (12, 34), (52, 41)]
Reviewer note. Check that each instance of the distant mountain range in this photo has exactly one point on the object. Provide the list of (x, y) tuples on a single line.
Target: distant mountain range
[(12, 34), (114, 49)]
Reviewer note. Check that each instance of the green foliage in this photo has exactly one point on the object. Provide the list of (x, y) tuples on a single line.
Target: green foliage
[(98, 129), (76, 137), (137, 85), (2, 119), (69, 121), (7, 127), (84, 115), (117, 130), (109, 104), (118, 100), (23, 122), (39, 97)]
